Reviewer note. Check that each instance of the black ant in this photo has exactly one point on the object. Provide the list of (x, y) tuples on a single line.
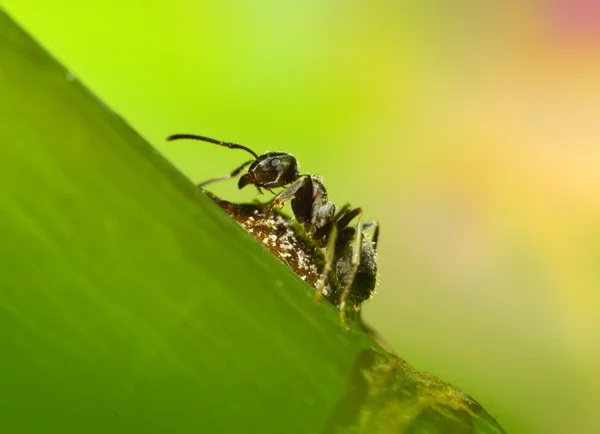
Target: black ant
[(348, 253)]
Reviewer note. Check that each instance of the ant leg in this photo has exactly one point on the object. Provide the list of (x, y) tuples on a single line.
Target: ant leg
[(343, 210), (329, 257), (224, 177), (370, 225), (288, 193), (348, 217), (356, 248), (324, 231)]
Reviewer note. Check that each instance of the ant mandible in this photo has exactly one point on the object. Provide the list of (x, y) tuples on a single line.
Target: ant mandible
[(348, 252)]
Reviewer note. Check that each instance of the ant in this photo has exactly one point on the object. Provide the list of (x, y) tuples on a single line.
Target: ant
[(348, 252)]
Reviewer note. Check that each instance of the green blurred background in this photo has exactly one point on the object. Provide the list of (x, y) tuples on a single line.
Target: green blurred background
[(471, 131)]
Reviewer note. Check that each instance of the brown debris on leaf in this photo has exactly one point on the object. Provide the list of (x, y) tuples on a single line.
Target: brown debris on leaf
[(284, 237)]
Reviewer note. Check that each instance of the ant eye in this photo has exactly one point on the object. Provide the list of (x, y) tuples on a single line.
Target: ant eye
[(275, 162)]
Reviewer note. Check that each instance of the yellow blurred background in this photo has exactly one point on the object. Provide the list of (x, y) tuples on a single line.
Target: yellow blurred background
[(470, 130)]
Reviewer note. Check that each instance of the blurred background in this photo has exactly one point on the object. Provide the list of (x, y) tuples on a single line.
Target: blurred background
[(469, 129)]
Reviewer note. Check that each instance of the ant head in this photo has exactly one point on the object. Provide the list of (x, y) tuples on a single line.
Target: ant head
[(271, 170)]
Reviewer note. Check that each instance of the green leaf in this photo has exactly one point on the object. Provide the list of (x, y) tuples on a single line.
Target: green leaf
[(130, 302)]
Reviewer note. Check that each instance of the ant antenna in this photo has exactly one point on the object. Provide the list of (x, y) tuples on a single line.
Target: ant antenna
[(216, 142)]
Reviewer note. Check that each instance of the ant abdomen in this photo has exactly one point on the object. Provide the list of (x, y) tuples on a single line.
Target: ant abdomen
[(364, 280)]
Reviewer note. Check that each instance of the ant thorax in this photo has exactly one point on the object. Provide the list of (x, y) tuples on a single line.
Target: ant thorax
[(312, 208)]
